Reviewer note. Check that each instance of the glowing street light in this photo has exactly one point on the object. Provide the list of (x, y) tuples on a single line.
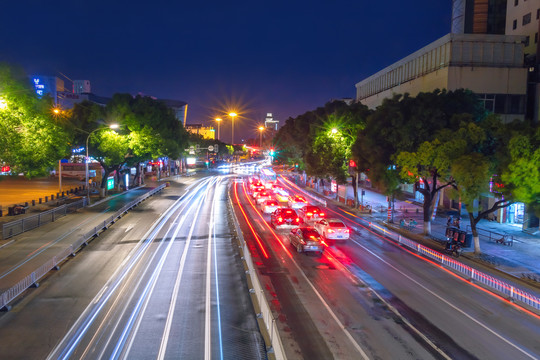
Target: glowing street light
[(232, 115), (112, 126), (261, 129), (218, 122)]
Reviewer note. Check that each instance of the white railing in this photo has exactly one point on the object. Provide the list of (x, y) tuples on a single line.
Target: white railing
[(32, 279), (266, 312), (502, 287)]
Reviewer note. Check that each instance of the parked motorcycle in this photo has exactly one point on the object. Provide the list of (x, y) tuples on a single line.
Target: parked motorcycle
[(453, 248)]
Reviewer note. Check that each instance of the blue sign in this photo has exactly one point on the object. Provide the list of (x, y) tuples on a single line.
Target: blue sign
[(39, 85)]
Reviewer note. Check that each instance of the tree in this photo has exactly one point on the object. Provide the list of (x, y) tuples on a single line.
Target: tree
[(400, 126), (32, 139)]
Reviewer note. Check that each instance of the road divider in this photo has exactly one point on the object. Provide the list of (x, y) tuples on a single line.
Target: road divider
[(261, 303)]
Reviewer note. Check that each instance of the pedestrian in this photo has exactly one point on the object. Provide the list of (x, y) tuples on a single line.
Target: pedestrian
[(456, 222), (449, 221)]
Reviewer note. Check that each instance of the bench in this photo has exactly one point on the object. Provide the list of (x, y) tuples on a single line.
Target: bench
[(505, 240)]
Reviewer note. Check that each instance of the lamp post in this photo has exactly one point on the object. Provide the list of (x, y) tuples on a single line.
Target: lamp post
[(232, 115), (218, 122), (261, 129), (112, 126)]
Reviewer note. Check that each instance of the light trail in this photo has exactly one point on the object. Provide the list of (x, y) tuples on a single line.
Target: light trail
[(73, 337)]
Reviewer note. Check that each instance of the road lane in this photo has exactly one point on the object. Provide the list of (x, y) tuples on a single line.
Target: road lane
[(168, 302), (462, 319)]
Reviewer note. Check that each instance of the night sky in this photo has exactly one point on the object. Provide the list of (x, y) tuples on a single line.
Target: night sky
[(255, 56)]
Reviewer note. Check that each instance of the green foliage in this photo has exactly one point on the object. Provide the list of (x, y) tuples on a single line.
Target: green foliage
[(522, 176), (32, 140)]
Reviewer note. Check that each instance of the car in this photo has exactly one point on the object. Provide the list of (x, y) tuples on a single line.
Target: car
[(281, 195), (269, 206), (332, 229), (306, 239), (256, 186), (297, 201), (264, 195), (284, 217), (310, 213)]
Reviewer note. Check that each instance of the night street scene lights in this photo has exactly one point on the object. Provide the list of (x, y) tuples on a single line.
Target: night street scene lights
[(87, 159), (232, 115), (218, 123), (261, 129)]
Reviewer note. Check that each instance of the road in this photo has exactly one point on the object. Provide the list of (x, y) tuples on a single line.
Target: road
[(369, 298), (164, 282)]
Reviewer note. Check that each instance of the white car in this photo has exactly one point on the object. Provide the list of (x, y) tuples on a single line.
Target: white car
[(269, 206), (297, 202), (264, 195), (332, 229), (281, 195)]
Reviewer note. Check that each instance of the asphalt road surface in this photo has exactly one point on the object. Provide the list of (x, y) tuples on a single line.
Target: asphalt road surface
[(164, 282), (369, 298)]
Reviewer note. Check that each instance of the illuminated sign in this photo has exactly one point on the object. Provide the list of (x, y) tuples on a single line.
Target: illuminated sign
[(110, 183), (78, 150), (190, 161), (39, 86)]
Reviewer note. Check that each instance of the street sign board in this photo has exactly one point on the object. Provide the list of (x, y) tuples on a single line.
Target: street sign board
[(210, 148)]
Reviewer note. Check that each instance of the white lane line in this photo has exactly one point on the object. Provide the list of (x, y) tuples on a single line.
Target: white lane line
[(207, 317), (334, 316), (176, 290), (449, 303)]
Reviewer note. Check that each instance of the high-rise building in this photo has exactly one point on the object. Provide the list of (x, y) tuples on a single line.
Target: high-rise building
[(270, 122), (479, 16)]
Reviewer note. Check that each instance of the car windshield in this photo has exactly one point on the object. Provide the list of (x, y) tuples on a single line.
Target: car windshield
[(336, 224)]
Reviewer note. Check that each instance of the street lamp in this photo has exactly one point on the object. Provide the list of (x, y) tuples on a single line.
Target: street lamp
[(218, 122), (261, 129), (334, 131), (232, 115), (112, 126)]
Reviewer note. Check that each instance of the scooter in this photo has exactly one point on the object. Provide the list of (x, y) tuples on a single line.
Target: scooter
[(453, 248)]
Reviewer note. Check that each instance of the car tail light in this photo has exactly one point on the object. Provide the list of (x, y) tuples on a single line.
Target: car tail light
[(280, 219), (297, 220), (309, 214), (346, 231), (321, 214), (330, 230), (289, 212)]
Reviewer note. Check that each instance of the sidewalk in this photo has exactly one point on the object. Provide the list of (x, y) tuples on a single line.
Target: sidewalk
[(522, 260)]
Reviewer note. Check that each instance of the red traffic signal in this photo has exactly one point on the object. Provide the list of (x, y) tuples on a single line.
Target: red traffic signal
[(352, 163)]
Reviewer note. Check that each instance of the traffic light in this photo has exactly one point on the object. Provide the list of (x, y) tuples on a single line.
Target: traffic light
[(271, 151), (352, 163)]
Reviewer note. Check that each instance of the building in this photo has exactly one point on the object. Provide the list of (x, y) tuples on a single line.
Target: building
[(179, 108), (493, 51), (81, 87), (523, 18), (207, 132), (490, 65), (50, 85), (270, 122)]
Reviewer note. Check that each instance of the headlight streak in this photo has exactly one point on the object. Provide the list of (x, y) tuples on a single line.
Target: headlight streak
[(321, 299), (144, 298), (218, 305), (73, 337)]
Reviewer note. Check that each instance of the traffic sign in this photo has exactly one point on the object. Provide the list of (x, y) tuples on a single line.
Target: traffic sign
[(210, 148)]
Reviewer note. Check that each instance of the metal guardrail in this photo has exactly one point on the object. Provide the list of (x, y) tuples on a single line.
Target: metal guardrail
[(266, 312), (513, 293), (17, 227), (492, 236), (32, 279)]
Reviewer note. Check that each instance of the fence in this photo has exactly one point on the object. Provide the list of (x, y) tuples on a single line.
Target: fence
[(513, 293), (491, 235), (17, 227), (258, 291), (32, 279)]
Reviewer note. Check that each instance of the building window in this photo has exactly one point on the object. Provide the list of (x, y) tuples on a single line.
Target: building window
[(536, 38), (526, 19), (527, 40), (516, 2), (514, 25), (537, 14)]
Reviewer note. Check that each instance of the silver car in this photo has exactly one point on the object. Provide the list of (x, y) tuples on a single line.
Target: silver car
[(306, 239)]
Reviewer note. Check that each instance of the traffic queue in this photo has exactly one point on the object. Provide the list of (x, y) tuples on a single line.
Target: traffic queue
[(308, 224)]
